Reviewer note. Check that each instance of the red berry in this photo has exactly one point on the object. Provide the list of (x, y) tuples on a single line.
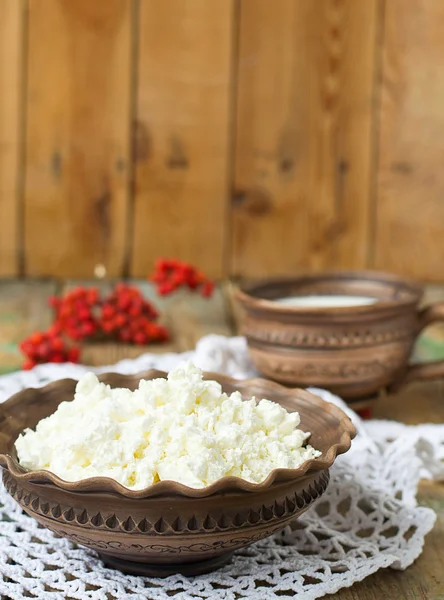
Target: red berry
[(152, 313), (66, 310), (36, 338), (54, 330), (165, 288), (158, 277), (124, 301), (365, 413), (73, 354), (193, 284), (108, 326), (125, 334), (57, 358), (83, 313), (178, 278), (92, 296), (163, 334), (71, 322), (42, 351), (207, 289), (28, 364), (57, 344), (88, 328), (73, 309), (108, 311), (140, 338), (135, 310), (119, 320)]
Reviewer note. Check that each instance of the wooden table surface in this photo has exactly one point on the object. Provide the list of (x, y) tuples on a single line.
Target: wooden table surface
[(23, 309)]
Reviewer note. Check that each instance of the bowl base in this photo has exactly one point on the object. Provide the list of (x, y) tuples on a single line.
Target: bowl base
[(164, 570)]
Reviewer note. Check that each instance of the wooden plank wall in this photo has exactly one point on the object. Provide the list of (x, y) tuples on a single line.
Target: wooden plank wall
[(183, 119), (12, 18), (303, 135), (77, 135), (410, 177), (249, 137)]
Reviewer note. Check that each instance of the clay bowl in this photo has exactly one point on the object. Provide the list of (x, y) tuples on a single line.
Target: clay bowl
[(356, 352), (169, 528)]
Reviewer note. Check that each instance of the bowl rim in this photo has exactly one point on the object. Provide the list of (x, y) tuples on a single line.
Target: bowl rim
[(346, 432), (245, 293)]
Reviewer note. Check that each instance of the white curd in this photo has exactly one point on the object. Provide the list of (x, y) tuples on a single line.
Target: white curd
[(180, 428)]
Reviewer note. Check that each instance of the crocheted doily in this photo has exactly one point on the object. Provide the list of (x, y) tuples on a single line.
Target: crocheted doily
[(367, 519)]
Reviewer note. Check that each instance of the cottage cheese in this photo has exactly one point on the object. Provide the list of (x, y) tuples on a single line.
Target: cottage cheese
[(180, 428)]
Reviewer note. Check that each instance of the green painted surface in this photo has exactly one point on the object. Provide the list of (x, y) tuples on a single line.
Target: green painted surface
[(429, 348)]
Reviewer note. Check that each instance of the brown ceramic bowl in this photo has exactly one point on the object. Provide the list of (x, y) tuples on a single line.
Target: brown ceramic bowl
[(356, 351), (168, 527)]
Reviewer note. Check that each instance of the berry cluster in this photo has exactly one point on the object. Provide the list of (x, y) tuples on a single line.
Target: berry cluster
[(81, 314), (123, 314), (171, 274), (126, 315), (47, 346), (75, 312)]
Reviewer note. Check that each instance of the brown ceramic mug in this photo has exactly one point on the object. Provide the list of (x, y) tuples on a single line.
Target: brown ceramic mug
[(354, 351)]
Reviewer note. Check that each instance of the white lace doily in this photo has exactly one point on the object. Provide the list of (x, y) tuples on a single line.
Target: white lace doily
[(367, 519)]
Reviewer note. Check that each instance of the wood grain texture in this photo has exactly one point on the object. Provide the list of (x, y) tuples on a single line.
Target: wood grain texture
[(78, 136), (304, 135), (182, 133), (410, 207), (23, 310), (424, 580), (11, 54)]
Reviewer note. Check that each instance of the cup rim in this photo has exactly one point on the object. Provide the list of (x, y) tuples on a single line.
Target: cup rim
[(246, 294)]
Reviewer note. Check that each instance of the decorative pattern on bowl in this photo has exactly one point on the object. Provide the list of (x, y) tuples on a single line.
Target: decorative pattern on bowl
[(354, 351), (169, 527)]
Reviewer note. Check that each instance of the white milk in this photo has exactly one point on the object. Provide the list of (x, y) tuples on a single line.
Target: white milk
[(326, 301)]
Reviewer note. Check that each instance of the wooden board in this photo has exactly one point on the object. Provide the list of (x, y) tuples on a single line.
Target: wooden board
[(424, 580), (78, 136), (11, 50), (23, 310), (304, 135), (410, 209), (182, 133)]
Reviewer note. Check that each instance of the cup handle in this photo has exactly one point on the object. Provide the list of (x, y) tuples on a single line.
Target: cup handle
[(426, 370)]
